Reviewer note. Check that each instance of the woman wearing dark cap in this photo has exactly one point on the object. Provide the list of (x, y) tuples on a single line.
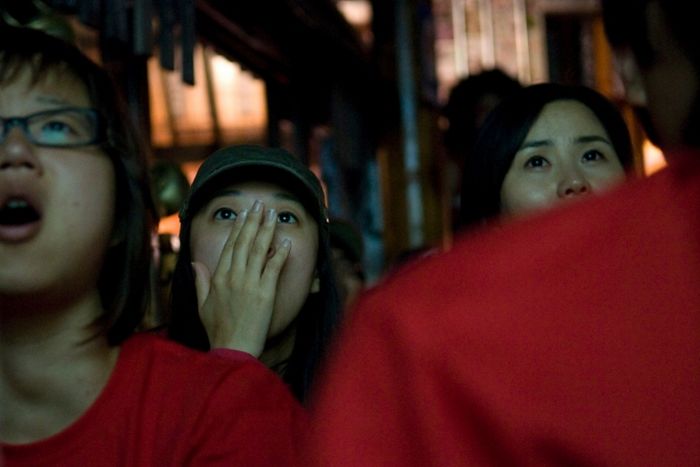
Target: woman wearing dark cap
[(254, 271)]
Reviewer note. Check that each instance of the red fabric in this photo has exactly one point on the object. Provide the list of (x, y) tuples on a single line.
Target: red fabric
[(569, 339), (234, 354), (166, 405)]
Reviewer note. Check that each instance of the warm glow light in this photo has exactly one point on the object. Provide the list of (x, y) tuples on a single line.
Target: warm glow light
[(180, 113), (653, 158), (356, 12), (226, 105), (241, 106), (161, 129), (169, 225), (190, 169)]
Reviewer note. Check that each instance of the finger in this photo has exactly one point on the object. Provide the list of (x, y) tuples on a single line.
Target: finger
[(224, 263), (274, 265), (202, 282), (243, 243), (261, 244)]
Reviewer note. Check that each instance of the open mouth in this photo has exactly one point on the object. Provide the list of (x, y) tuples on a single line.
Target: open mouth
[(18, 211)]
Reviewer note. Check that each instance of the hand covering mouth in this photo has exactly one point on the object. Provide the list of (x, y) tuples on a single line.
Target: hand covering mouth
[(16, 211)]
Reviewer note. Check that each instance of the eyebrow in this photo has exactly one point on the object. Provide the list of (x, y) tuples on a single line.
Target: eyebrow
[(548, 142), (53, 100), (593, 139), (535, 144)]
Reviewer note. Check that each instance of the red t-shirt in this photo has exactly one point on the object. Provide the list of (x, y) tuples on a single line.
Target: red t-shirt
[(167, 405), (568, 339)]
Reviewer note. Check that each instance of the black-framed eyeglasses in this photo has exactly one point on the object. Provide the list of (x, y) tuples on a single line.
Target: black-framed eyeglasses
[(59, 128)]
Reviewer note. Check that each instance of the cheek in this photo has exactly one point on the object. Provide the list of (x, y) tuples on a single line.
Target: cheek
[(525, 194), (206, 245), (301, 262), (99, 208), (302, 258), (294, 284), (607, 179)]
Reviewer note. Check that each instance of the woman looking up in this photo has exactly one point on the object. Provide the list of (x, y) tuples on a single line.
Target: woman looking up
[(78, 384), (255, 233), (544, 144)]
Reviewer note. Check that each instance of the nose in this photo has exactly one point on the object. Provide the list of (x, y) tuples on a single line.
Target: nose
[(276, 243), (573, 184), (16, 151), (272, 249)]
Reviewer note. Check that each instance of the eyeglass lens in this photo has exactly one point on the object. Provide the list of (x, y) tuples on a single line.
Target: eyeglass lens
[(59, 127)]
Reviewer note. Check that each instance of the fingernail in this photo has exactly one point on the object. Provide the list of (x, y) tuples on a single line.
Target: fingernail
[(257, 205), (271, 214), (286, 243), (243, 214)]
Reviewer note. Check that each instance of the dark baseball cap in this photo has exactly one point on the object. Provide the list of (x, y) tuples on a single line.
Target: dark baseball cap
[(236, 162)]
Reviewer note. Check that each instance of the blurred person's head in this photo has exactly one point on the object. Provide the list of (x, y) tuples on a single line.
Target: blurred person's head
[(656, 46), (468, 104)]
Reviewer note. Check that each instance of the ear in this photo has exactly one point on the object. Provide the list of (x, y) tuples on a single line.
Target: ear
[(315, 283), (631, 77)]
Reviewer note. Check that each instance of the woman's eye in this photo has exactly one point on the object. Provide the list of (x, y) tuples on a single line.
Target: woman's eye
[(57, 126), (62, 127), (536, 162), (225, 214), (57, 131), (287, 218), (593, 155)]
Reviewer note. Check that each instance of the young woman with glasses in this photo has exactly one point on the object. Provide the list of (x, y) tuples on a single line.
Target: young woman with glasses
[(78, 385)]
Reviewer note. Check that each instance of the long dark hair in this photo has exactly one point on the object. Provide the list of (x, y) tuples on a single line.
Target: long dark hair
[(124, 281), (315, 322), (505, 130)]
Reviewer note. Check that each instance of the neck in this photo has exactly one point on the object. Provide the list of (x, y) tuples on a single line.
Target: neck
[(278, 350), (53, 364)]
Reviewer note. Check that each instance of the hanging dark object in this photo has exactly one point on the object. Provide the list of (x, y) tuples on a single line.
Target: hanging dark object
[(125, 27), (35, 15)]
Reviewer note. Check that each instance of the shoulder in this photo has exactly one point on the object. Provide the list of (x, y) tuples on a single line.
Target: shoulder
[(226, 404), (173, 374), (172, 362)]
